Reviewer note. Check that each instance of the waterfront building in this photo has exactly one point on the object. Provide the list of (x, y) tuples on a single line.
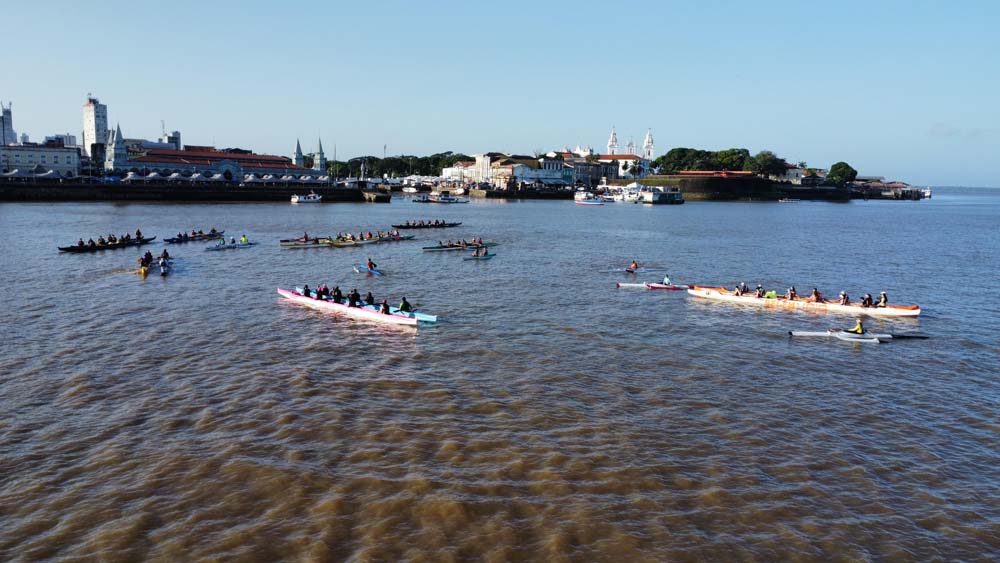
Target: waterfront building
[(204, 162), (463, 171), (613, 142), (25, 139), (95, 128), (7, 135), (50, 160), (648, 149), (298, 159)]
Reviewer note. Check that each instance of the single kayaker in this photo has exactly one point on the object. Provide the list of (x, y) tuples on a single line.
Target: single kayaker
[(338, 296), (371, 265), (759, 292), (883, 300), (244, 239), (816, 296), (666, 280), (633, 266), (844, 299), (404, 305), (858, 328), (384, 308), (791, 294), (369, 299)]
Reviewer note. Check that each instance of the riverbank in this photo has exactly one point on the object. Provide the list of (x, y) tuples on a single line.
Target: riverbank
[(176, 192)]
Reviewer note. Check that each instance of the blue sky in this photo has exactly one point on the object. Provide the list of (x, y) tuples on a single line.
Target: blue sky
[(908, 90)]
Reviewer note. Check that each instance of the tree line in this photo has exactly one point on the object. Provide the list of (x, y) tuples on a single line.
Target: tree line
[(764, 163), (396, 166)]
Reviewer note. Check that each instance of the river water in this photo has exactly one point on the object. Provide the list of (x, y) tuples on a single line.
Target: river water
[(548, 416)]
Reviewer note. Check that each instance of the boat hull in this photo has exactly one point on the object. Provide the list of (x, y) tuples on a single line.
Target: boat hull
[(86, 249), (343, 309), (236, 246), (653, 286), (444, 226), (422, 317), (854, 309)]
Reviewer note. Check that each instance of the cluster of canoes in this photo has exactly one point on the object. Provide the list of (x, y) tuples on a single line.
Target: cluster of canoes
[(164, 262)]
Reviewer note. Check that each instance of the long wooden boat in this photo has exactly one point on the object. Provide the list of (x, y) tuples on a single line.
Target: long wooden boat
[(97, 247), (427, 226), (195, 238), (343, 309), (723, 294), (321, 242), (457, 247)]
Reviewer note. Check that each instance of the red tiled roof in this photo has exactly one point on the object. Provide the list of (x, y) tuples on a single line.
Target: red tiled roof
[(214, 155)]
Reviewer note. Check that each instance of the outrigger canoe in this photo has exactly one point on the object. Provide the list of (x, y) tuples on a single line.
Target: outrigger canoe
[(486, 257), (649, 285), (195, 238), (230, 246), (845, 335), (312, 243), (440, 248), (342, 308), (97, 247), (422, 317), (438, 226), (723, 294)]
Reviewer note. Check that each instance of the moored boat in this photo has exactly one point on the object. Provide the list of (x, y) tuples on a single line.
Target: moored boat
[(342, 308), (120, 244), (722, 294), (312, 197)]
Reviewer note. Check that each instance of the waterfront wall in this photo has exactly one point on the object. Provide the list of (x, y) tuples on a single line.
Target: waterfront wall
[(83, 191), (743, 189)]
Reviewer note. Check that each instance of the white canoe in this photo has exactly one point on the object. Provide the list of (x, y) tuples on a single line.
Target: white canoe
[(843, 335), (854, 309), (341, 308), (650, 285)]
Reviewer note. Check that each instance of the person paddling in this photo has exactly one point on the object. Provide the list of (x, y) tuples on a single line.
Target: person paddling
[(633, 266), (883, 300), (369, 299), (844, 299), (244, 239), (858, 328), (384, 308), (371, 265), (404, 306)]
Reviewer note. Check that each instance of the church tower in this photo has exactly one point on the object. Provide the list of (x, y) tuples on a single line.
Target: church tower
[(319, 159), (297, 158), (647, 145), (613, 142), (630, 147), (117, 154)]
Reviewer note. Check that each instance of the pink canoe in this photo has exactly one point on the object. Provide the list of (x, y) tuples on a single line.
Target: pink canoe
[(342, 308)]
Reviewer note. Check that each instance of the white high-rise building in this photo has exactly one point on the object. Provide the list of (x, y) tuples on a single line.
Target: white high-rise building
[(7, 134), (613, 142), (95, 127)]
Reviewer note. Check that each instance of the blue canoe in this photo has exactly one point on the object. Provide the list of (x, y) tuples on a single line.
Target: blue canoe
[(487, 257), (367, 270), (422, 317)]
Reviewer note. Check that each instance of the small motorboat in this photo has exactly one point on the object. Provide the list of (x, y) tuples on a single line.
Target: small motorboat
[(312, 197)]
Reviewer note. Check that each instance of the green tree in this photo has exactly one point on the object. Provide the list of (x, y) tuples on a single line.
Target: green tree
[(841, 173), (766, 163)]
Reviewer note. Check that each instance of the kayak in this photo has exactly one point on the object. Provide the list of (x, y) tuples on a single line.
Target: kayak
[(365, 269), (852, 337), (722, 294), (638, 270), (165, 268), (96, 247), (487, 257), (457, 247), (832, 333), (422, 317), (342, 308), (438, 226), (650, 285), (230, 246), (195, 238)]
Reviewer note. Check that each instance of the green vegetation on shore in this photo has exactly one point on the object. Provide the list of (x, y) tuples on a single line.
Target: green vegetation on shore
[(394, 166)]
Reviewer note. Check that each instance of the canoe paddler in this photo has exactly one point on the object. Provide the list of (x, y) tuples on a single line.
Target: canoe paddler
[(138, 234), (791, 294), (404, 306), (244, 239), (79, 243), (666, 280), (858, 328), (883, 300), (338, 296), (759, 292), (866, 301), (633, 266), (816, 296), (844, 299), (384, 307), (369, 299), (306, 291), (165, 255), (371, 265)]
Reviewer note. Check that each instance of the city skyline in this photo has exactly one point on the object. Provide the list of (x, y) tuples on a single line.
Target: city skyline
[(896, 90)]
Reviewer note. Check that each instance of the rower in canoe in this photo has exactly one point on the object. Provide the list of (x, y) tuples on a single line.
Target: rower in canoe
[(759, 292), (791, 294), (844, 299), (866, 301), (858, 328), (384, 307), (816, 296), (369, 299), (883, 301), (404, 305)]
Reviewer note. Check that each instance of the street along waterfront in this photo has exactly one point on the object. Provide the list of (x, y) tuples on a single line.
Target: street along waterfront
[(546, 415)]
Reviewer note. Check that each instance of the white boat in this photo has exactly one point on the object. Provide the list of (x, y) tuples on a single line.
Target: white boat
[(659, 195), (409, 190), (854, 309), (342, 308), (586, 198), (311, 198)]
